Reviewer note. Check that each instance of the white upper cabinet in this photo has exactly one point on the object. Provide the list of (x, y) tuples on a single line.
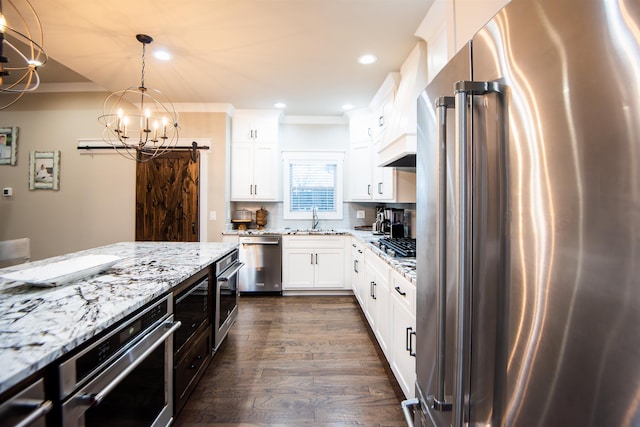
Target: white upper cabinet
[(367, 127), (259, 126), (368, 182), (360, 126), (450, 24), (360, 172), (254, 172), (255, 163), (382, 105)]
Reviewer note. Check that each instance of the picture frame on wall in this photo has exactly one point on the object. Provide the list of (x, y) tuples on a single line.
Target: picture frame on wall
[(44, 170), (8, 145)]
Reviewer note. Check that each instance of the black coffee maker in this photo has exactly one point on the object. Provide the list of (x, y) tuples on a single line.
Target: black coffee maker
[(396, 227)]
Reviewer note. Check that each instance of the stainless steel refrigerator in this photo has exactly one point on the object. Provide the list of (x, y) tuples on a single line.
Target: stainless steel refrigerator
[(528, 222)]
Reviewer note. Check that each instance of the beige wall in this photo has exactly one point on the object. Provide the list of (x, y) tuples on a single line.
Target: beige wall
[(96, 201), (215, 126)]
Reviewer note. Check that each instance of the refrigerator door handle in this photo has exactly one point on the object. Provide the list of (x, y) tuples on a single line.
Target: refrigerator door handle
[(439, 400), (464, 90)]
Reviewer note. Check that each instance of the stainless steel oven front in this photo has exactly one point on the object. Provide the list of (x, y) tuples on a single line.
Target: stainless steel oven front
[(125, 378), (226, 296)]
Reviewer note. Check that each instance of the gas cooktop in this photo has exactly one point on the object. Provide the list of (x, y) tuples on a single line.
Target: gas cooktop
[(400, 247)]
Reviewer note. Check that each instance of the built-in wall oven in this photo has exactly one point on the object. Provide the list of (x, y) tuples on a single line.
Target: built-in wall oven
[(226, 296), (124, 378)]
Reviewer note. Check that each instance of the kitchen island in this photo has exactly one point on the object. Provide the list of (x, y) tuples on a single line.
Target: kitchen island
[(38, 325)]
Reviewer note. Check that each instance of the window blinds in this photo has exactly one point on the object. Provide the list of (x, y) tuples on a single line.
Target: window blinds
[(312, 184)]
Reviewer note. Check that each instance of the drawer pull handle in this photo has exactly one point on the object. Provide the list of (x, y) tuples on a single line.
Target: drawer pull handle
[(400, 292)]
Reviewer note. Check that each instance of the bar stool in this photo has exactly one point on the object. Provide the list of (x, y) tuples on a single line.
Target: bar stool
[(15, 251)]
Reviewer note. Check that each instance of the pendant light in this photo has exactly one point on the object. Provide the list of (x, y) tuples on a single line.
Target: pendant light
[(140, 122), (21, 41)]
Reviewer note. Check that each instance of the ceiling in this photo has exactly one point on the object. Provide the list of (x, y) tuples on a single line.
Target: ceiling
[(248, 53)]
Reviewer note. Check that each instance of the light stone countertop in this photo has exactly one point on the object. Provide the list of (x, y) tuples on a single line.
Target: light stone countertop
[(39, 325)]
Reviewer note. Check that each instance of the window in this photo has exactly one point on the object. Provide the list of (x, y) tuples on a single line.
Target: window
[(312, 179)]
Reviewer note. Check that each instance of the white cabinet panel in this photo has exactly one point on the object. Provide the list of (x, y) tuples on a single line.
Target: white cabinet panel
[(257, 126), (265, 172), (254, 172), (314, 262), (360, 126), (378, 303), (403, 360), (298, 268), (368, 182), (358, 283), (329, 271), (360, 172), (255, 165)]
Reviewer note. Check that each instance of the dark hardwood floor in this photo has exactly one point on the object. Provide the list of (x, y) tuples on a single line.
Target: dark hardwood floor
[(297, 361)]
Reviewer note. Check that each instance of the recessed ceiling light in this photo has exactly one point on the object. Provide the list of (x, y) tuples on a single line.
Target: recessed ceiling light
[(162, 55), (280, 105), (367, 59), (347, 107)]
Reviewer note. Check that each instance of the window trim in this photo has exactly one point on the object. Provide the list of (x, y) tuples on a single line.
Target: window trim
[(336, 157)]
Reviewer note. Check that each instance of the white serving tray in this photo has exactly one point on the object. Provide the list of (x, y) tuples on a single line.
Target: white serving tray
[(59, 273)]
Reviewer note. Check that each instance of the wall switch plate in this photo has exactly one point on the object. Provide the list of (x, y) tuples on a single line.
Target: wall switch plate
[(212, 215), (7, 192), (359, 214)]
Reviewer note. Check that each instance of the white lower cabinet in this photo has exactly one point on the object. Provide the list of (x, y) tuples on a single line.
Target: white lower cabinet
[(378, 304), (358, 283), (388, 301), (314, 262), (403, 321)]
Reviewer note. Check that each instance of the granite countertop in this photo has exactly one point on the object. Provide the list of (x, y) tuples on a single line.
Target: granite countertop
[(406, 266), (287, 231), (38, 325)]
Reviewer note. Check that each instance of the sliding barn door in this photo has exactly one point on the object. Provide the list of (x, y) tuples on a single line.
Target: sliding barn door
[(167, 191)]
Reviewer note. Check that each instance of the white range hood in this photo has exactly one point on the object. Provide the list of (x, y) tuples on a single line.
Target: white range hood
[(399, 144)]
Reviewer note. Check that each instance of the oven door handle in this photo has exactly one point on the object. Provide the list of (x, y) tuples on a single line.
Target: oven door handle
[(230, 272), (148, 344), (40, 408)]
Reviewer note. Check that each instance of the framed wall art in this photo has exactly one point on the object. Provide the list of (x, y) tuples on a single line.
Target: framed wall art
[(8, 145), (44, 170)]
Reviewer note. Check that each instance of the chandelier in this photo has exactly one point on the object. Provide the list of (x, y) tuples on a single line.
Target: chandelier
[(140, 122), (21, 41)]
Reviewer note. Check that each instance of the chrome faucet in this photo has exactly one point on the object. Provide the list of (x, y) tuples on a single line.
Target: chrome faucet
[(314, 218)]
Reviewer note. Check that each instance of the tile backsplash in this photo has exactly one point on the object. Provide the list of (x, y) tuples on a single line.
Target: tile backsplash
[(350, 220)]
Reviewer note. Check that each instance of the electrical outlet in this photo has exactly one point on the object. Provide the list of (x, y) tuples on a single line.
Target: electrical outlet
[(7, 192), (212, 215), (360, 214)]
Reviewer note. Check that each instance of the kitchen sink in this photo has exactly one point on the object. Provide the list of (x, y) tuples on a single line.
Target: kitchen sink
[(315, 231)]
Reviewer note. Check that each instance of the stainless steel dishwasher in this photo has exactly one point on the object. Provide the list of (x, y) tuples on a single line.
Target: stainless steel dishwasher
[(262, 258)]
